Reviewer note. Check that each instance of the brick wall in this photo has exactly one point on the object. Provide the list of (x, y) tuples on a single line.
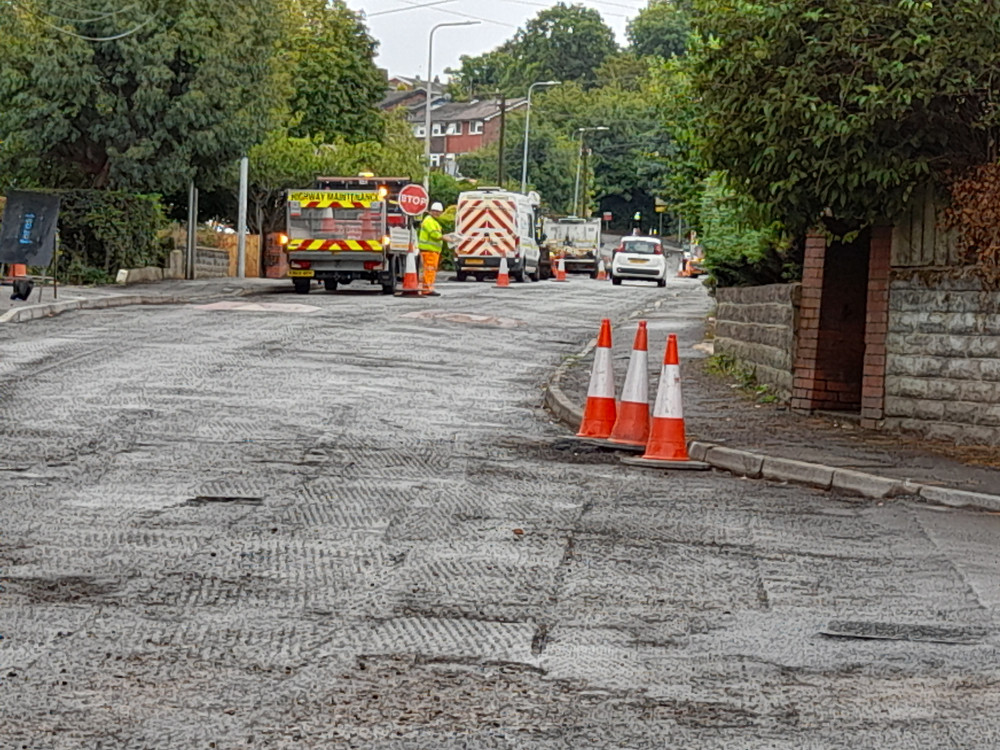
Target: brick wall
[(873, 383), (829, 360), (756, 325), (943, 356)]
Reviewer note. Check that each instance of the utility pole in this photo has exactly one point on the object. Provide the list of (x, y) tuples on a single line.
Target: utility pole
[(585, 161), (503, 127)]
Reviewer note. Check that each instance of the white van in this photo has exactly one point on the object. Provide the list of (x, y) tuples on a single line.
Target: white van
[(491, 223)]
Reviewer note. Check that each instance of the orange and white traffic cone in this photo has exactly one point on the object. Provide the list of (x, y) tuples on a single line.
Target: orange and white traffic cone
[(411, 286), (600, 411), (632, 425), (561, 269), (667, 445), (503, 276), (602, 274)]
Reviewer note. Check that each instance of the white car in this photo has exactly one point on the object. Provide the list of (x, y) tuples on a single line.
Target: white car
[(639, 258)]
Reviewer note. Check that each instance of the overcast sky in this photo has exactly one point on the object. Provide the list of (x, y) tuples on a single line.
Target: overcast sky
[(402, 30)]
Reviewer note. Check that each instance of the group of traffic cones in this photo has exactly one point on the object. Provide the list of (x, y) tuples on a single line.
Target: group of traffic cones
[(627, 424)]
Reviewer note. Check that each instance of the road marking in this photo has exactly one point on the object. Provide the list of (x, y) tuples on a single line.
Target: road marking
[(266, 307)]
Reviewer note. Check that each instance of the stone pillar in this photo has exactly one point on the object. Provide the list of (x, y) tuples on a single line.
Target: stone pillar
[(805, 368), (876, 329)]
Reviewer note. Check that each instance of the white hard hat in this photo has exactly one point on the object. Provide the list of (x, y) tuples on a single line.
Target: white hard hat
[(437, 207)]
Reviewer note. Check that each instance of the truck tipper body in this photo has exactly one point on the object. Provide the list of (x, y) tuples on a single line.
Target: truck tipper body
[(341, 230), (576, 240)]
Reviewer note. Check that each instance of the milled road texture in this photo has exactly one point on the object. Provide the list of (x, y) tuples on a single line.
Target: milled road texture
[(355, 527)]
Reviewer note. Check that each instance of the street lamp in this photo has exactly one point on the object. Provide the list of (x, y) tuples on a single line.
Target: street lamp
[(579, 164), (527, 124), (427, 103)]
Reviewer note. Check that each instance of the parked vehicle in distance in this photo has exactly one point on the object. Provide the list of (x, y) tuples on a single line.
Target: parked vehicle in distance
[(641, 258), (576, 240)]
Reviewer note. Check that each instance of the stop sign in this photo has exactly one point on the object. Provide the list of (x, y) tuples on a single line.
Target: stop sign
[(413, 199)]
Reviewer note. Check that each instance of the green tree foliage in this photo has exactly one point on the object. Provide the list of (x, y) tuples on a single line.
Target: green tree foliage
[(336, 82), (177, 89), (561, 43), (282, 162), (551, 162), (101, 231), (743, 245), (843, 107), (662, 28)]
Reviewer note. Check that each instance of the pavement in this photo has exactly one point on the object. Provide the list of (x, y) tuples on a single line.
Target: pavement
[(725, 428)]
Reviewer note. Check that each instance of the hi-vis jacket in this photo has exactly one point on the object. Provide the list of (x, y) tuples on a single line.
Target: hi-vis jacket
[(431, 233)]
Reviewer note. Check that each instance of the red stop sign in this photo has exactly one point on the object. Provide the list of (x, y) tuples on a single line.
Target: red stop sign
[(413, 199)]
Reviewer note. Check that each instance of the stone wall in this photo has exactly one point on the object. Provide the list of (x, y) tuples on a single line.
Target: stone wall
[(943, 357), (210, 263), (757, 325)]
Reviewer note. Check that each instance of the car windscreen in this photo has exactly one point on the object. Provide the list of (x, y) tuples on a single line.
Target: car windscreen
[(639, 247)]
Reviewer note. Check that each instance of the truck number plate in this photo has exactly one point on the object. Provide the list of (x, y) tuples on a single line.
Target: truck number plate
[(299, 273)]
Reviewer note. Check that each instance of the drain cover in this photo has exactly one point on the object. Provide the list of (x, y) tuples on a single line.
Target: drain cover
[(891, 631), (224, 499)]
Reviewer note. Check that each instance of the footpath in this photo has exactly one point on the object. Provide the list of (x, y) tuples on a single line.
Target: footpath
[(726, 428), (46, 301)]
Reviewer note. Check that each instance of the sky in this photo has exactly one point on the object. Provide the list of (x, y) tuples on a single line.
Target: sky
[(403, 30)]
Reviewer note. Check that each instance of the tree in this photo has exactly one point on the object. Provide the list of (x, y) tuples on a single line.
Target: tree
[(337, 84), (843, 107), (282, 162), (175, 89), (562, 43), (661, 28)]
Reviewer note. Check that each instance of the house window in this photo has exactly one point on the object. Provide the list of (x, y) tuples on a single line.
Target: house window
[(420, 131), (454, 128), (476, 128), (435, 160), (436, 129)]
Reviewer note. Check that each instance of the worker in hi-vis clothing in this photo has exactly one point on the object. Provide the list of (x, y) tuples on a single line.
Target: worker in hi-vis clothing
[(429, 241)]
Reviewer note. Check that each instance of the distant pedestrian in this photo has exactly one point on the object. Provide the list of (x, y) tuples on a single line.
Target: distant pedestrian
[(430, 241)]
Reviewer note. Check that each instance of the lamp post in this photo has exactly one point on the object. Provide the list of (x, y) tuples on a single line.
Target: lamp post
[(527, 125), (579, 163), (427, 103)]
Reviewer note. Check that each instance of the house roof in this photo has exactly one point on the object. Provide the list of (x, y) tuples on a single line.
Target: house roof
[(462, 111)]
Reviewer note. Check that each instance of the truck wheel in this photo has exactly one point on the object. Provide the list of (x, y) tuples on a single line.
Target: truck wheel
[(518, 276), (480, 277), (536, 274), (330, 285), (302, 286)]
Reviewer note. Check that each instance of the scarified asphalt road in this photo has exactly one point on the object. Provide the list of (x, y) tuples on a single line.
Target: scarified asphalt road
[(345, 521)]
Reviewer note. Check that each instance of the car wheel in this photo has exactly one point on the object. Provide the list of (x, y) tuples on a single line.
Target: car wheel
[(616, 280), (661, 282)]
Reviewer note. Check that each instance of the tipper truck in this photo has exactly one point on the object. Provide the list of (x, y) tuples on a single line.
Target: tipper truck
[(342, 230), (576, 240)]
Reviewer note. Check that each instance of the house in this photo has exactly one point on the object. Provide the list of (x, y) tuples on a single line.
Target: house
[(410, 93), (461, 127)]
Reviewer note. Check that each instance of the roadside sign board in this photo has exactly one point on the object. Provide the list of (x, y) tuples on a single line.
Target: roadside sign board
[(607, 216), (413, 199)]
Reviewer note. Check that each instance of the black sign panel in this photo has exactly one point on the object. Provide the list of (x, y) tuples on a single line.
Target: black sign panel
[(28, 234)]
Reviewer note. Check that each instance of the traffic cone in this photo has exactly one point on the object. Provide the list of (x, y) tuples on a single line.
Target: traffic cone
[(602, 274), (411, 286), (503, 277), (561, 269), (600, 411), (667, 445), (632, 425)]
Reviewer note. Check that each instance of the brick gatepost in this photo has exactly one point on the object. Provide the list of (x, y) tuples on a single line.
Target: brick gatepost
[(876, 328), (806, 377)]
